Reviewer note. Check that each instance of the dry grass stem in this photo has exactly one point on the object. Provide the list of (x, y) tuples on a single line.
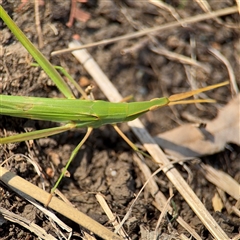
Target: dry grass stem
[(38, 24), (144, 32), (113, 219), (178, 57), (24, 187), (222, 180), (222, 58), (32, 227)]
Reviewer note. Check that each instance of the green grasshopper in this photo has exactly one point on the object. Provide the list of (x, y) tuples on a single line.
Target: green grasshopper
[(77, 113)]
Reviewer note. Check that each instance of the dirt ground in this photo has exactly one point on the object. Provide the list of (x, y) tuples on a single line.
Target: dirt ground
[(139, 72)]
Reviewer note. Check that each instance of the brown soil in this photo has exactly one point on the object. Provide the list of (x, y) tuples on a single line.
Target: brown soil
[(143, 74)]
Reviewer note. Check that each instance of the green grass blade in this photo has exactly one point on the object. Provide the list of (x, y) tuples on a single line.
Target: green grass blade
[(36, 54)]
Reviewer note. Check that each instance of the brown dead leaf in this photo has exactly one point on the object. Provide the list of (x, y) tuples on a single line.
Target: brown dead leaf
[(190, 141)]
